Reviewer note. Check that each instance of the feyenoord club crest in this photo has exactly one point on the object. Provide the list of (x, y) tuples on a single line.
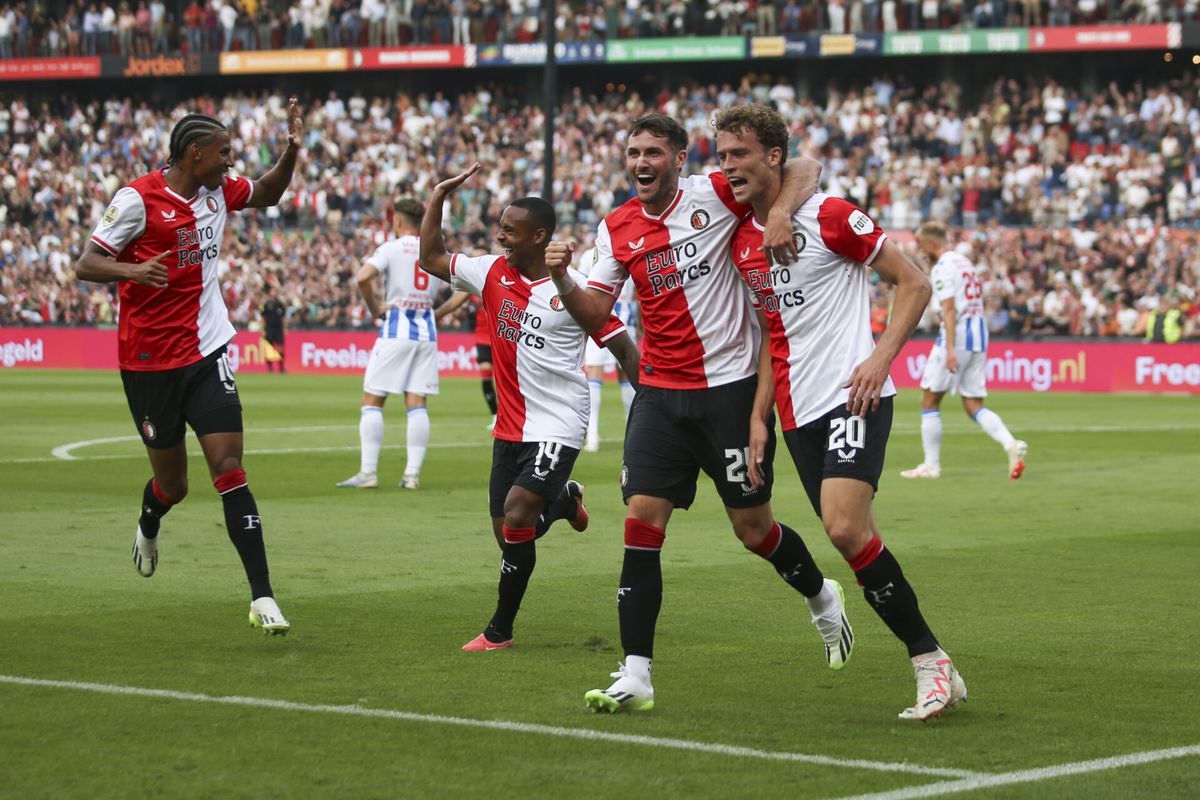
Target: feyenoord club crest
[(800, 240), (556, 303), (700, 219), (148, 430), (212, 204)]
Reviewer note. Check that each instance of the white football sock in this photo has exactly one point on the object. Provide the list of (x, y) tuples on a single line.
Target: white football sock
[(822, 601), (638, 667), (931, 437), (593, 428), (993, 426), (627, 395), (370, 435), (418, 439)]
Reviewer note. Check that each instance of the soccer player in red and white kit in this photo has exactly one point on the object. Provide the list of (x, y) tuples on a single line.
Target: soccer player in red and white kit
[(541, 390), (831, 381), (697, 386), (160, 239)]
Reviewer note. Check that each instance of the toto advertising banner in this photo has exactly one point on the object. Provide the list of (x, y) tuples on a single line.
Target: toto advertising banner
[(1080, 366)]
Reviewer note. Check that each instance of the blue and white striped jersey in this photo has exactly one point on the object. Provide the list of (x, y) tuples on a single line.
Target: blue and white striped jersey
[(955, 277), (409, 291)]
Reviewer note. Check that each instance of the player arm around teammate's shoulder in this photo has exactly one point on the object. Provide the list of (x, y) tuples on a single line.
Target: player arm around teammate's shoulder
[(434, 257), (912, 296), (269, 189), (801, 177)]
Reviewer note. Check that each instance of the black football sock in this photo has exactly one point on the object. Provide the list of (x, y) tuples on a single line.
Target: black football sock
[(516, 566), (639, 600), (245, 530), (489, 393), (786, 551), (153, 510), (890, 594)]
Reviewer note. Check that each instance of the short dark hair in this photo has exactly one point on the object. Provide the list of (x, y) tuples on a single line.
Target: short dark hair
[(662, 126), (766, 123), (192, 129), (541, 211), (411, 209)]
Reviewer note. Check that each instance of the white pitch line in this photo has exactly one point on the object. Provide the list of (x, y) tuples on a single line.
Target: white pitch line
[(1030, 775), (500, 725)]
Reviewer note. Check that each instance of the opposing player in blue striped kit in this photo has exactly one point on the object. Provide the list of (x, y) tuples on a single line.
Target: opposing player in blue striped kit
[(404, 359), (958, 359)]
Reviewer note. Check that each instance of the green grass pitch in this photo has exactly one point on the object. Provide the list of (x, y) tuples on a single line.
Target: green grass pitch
[(1069, 601)]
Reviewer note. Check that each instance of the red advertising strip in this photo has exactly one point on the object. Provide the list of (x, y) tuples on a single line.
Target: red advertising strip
[(1021, 366), (408, 57), (1100, 37), (41, 69)]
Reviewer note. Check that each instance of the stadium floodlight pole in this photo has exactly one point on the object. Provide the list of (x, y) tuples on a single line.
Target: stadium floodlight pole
[(549, 98)]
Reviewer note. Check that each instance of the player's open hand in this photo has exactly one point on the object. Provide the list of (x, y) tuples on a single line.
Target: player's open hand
[(779, 240), (759, 436), (151, 272), (559, 255), (951, 361), (866, 385), (450, 184), (295, 123)]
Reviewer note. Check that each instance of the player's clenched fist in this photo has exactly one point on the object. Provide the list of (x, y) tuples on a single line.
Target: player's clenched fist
[(559, 256)]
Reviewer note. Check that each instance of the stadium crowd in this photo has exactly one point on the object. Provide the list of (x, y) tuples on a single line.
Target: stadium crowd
[(141, 27), (1085, 212)]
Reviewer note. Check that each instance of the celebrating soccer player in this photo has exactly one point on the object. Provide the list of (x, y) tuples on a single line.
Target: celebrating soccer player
[(160, 239), (540, 387), (697, 384), (831, 380)]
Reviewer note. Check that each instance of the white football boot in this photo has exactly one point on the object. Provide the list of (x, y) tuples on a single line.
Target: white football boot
[(361, 480), (939, 686), (265, 614)]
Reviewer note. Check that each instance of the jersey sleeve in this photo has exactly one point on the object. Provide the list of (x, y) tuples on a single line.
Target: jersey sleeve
[(611, 329), (720, 185), (468, 274), (848, 231), (606, 273), (943, 277), (124, 220), (237, 193), (379, 259)]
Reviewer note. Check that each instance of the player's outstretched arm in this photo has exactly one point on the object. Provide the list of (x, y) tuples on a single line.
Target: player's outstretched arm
[(912, 296), (591, 308), (434, 258), (96, 265), (627, 354), (764, 403), (800, 179), (270, 187)]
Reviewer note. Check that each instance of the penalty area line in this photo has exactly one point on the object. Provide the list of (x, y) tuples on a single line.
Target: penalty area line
[(586, 734), (983, 781)]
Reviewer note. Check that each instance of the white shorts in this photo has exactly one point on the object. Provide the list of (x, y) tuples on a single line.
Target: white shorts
[(401, 365), (596, 356), (969, 381)]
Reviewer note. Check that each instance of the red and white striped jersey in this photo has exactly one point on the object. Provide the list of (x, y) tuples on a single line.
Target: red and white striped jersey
[(537, 351), (697, 326), (818, 307), (162, 329)]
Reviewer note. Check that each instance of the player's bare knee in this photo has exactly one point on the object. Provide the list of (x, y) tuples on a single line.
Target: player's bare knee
[(226, 464), (847, 536), (752, 535), (174, 488)]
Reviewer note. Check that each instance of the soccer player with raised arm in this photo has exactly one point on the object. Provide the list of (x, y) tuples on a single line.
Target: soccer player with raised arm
[(542, 395), (696, 388), (160, 239), (958, 359), (404, 358), (830, 379)]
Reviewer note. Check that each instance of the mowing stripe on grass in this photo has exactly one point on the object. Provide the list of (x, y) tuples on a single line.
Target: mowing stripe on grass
[(66, 452), (501, 725), (1030, 775)]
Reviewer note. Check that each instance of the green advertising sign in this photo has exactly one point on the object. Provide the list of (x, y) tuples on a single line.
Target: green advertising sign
[(697, 48), (946, 43)]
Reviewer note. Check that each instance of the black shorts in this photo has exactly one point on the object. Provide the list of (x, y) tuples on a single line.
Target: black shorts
[(204, 395), (483, 354), (672, 434), (838, 445), (541, 467)]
